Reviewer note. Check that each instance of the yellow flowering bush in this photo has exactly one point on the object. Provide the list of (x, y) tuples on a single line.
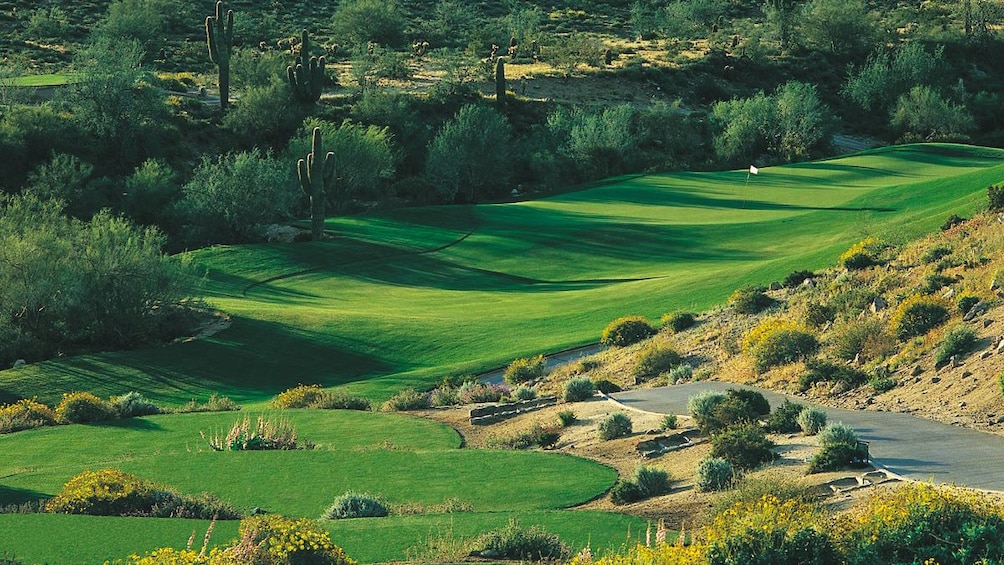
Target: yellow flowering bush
[(25, 414), (776, 342), (920, 522), (293, 541), (102, 493), (918, 315), (83, 407), (171, 556), (301, 396), (861, 254)]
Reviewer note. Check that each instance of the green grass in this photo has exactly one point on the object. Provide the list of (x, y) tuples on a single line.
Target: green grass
[(402, 298), (47, 538), (44, 80)]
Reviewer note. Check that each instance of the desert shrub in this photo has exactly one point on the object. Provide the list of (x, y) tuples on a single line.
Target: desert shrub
[(714, 474), (995, 197), (744, 446), (860, 255), (754, 487), (646, 483), (817, 371), (678, 321), (917, 315), (457, 380), (839, 446), (278, 540), (811, 421), (935, 253), (756, 401), (24, 415), (355, 505), (84, 407), (952, 221), (606, 386), (669, 422), (679, 373), (578, 389), (784, 419), (445, 396), (750, 300), (340, 400), (479, 393), (933, 282), (966, 303), (133, 404), (627, 330), (216, 403), (566, 418), (796, 278), (817, 315), (524, 393), (865, 339), (300, 396), (853, 298), (538, 435), (916, 520), (525, 369), (408, 399), (265, 434), (882, 383), (702, 405), (586, 365), (614, 426), (654, 360), (362, 21), (960, 339), (513, 541), (731, 411), (625, 492), (783, 346)]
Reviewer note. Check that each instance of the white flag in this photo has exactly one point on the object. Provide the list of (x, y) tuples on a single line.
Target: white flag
[(754, 170)]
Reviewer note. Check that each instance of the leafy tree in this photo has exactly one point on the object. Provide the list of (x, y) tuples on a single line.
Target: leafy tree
[(149, 193), (362, 21), (879, 83), (472, 154), (47, 23), (144, 21), (781, 18), (845, 27), (65, 178), (923, 114), (746, 126), (802, 121), (265, 116), (229, 198)]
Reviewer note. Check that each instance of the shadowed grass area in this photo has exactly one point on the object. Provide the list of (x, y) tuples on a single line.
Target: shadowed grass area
[(403, 298)]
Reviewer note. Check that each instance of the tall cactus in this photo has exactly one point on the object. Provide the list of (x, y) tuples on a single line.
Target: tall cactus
[(315, 173), (306, 74), (220, 38), (500, 82)]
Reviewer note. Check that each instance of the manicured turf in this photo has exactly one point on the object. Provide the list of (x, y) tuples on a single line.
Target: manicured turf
[(44, 80), (405, 297), (47, 538)]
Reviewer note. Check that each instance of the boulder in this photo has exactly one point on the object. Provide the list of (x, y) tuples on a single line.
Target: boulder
[(878, 305)]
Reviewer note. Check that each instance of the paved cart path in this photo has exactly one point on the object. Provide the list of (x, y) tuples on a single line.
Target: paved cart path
[(912, 447)]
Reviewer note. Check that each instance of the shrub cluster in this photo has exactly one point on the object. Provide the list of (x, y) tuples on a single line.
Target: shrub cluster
[(113, 493), (678, 373), (444, 396), (566, 418), (781, 346), (479, 393), (132, 404), (408, 399), (266, 434), (669, 422), (960, 339), (522, 393), (278, 540), (84, 407), (614, 426), (817, 371), (525, 369), (811, 421), (743, 446), (865, 340), (918, 315), (313, 396), (714, 474), (995, 197), (796, 278), (678, 321), (355, 505), (817, 315), (784, 418), (24, 415), (653, 360), (513, 541), (750, 300), (715, 411), (538, 435), (216, 403), (839, 447), (646, 483), (578, 389), (966, 303), (626, 331), (860, 255)]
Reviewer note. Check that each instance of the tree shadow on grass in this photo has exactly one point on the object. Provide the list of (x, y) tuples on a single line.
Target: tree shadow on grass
[(17, 496)]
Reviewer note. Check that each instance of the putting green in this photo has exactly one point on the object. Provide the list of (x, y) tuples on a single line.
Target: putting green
[(405, 297)]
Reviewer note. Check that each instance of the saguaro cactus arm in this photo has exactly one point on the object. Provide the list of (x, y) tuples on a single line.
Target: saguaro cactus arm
[(220, 39)]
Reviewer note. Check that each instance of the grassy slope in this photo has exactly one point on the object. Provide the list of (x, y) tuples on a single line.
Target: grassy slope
[(405, 297)]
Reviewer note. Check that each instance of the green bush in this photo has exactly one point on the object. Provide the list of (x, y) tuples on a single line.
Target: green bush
[(408, 399), (784, 419), (744, 446), (839, 446), (355, 505), (796, 278), (525, 369), (614, 426), (782, 347), (513, 541), (626, 492), (811, 421), (750, 300), (646, 483), (758, 405), (817, 371), (626, 331), (606, 386), (865, 339), (918, 315), (669, 422), (860, 255), (654, 360), (566, 418), (216, 403), (995, 197), (817, 315), (730, 411), (882, 383), (960, 339), (702, 405), (935, 253), (538, 435), (966, 303), (84, 407), (679, 373), (524, 393), (678, 321), (362, 21), (934, 282), (444, 396), (479, 393), (714, 474), (133, 404), (578, 389)]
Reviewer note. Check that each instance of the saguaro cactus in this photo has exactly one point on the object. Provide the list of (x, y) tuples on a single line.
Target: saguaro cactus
[(306, 74), (315, 173), (220, 37), (500, 82)]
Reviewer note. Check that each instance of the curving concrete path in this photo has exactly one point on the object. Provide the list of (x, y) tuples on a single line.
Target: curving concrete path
[(911, 447)]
